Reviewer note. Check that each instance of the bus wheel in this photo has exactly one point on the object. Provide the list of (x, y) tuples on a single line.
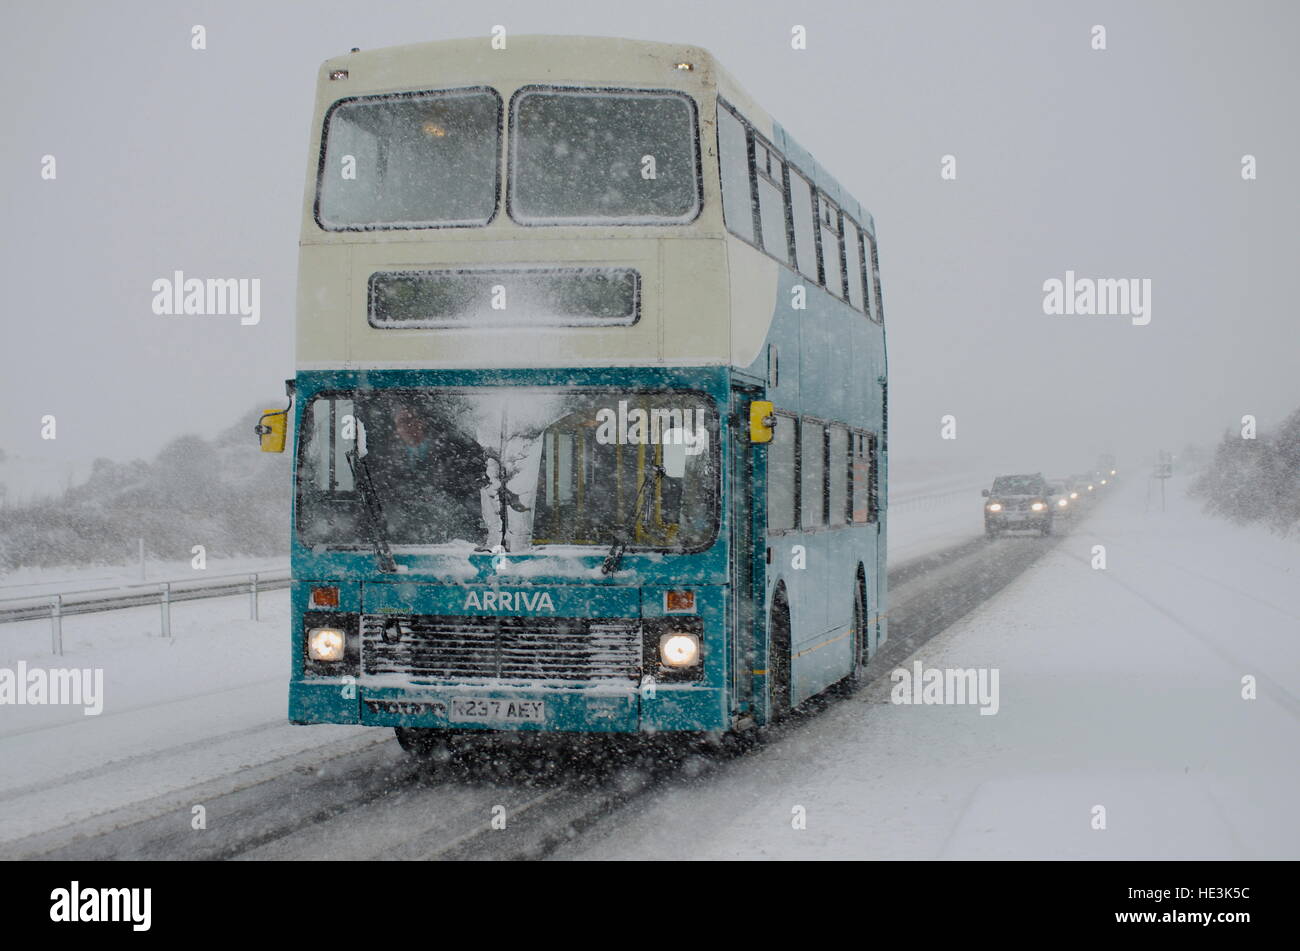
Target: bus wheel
[(861, 638), (778, 661), (418, 742)]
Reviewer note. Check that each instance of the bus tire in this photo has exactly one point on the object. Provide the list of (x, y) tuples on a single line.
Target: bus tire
[(778, 660), (861, 636)]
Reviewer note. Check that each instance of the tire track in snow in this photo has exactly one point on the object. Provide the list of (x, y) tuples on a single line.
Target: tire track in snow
[(1277, 692), (127, 762)]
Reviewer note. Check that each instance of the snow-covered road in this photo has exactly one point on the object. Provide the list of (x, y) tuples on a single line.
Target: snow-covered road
[(1119, 688)]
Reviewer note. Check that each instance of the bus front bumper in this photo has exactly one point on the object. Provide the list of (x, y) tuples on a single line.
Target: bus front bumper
[(621, 707)]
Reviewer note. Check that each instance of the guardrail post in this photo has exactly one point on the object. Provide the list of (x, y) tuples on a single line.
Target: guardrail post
[(56, 624), (166, 609), (252, 596)]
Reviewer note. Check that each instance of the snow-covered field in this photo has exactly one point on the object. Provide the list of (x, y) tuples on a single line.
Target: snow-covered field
[(1119, 688)]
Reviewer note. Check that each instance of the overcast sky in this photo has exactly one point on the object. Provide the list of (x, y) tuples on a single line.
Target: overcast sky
[(1123, 163)]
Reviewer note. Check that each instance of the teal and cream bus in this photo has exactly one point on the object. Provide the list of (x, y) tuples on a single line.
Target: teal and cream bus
[(590, 417)]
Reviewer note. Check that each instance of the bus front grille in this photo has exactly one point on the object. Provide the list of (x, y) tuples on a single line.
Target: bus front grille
[(505, 648)]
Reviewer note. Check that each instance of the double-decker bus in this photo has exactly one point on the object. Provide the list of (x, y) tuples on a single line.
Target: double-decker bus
[(590, 420)]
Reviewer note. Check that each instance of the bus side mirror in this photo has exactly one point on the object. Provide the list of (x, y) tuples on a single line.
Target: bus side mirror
[(271, 430), (762, 420)]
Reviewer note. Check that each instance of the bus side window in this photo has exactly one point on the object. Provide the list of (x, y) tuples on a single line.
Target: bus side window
[(733, 164), (862, 479), (805, 234), (873, 261), (769, 173), (868, 285), (839, 475), (812, 470), (331, 434), (782, 475), (873, 484), (832, 254), (853, 260)]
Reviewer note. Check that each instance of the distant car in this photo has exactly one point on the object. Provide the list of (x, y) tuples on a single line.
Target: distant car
[(1017, 503), (1085, 486), (1058, 498)]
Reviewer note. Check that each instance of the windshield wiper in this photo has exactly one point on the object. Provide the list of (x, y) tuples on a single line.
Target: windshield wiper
[(506, 499), (619, 545), (365, 484)]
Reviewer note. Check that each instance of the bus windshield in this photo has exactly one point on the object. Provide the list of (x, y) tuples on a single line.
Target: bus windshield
[(517, 468), (600, 155), (415, 160)]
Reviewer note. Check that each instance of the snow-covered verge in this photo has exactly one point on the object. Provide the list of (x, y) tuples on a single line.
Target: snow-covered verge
[(929, 515), (1119, 688), (1254, 478), (208, 704), (31, 582)]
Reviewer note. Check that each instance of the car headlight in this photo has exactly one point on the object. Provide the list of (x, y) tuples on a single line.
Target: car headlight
[(1063, 502), (995, 506), (679, 649), (325, 644), (1103, 481), (1038, 506), (1074, 495)]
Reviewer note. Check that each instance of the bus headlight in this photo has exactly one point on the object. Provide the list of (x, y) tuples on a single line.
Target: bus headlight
[(325, 644), (679, 649), (995, 506)]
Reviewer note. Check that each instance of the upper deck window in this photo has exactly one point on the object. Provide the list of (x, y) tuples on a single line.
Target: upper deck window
[(733, 162), (603, 156), (413, 160)]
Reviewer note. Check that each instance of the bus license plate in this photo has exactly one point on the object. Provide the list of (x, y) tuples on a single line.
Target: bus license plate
[(489, 710)]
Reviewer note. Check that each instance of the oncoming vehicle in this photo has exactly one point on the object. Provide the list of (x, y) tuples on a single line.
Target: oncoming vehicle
[(1058, 499), (1017, 503), (590, 426), (1101, 480), (1076, 490)]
